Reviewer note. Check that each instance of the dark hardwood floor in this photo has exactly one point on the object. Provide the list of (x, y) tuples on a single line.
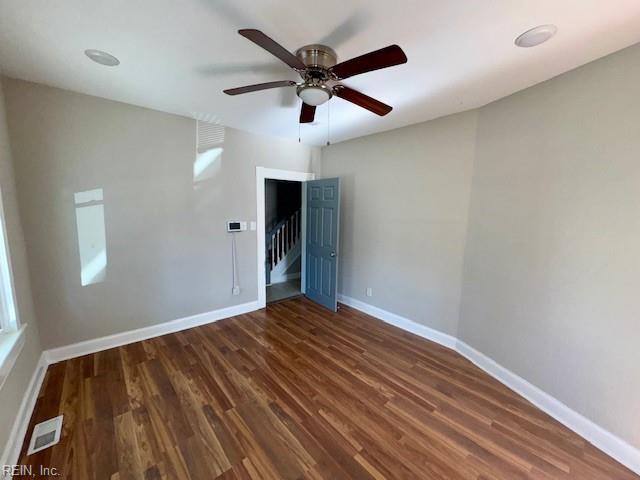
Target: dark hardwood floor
[(297, 392)]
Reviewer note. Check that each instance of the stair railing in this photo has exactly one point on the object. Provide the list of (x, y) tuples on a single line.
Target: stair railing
[(282, 238)]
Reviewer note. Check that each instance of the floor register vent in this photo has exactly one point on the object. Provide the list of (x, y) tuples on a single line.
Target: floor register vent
[(45, 435)]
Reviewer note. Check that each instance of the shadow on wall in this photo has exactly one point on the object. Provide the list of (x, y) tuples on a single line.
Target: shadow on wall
[(347, 184)]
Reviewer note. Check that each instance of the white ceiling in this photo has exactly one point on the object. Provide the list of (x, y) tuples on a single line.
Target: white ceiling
[(178, 56)]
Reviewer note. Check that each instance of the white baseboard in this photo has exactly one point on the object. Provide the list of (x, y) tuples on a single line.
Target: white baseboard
[(21, 423), (59, 354), (48, 357), (400, 322), (604, 440), (284, 278), (599, 437)]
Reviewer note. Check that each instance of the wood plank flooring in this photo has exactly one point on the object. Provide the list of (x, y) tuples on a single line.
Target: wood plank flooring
[(297, 392)]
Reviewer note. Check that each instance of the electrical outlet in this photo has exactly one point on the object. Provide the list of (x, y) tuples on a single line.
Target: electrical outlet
[(236, 290), (369, 292)]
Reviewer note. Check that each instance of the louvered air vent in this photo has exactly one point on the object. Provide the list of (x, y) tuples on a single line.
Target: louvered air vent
[(210, 135), (45, 435)]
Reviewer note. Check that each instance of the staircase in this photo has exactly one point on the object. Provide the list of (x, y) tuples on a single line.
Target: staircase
[(283, 247)]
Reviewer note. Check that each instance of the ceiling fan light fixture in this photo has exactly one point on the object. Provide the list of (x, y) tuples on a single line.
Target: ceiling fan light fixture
[(536, 36), (314, 95)]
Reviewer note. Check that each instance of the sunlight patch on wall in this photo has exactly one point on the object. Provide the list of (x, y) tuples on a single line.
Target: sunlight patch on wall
[(207, 164), (92, 243), (209, 149)]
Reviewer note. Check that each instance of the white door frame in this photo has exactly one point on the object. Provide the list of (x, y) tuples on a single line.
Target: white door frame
[(262, 174)]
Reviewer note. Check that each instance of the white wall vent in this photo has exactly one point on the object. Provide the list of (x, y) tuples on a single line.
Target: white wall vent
[(45, 435), (209, 135)]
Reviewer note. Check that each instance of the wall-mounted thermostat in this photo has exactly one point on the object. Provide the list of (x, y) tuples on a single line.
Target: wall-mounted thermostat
[(236, 226)]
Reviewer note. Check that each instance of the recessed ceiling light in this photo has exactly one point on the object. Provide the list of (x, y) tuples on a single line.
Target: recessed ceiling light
[(103, 58), (536, 36)]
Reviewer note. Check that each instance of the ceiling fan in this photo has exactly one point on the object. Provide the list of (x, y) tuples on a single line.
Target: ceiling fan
[(320, 72)]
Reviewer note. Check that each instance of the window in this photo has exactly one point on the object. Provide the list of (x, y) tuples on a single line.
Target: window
[(8, 316), (11, 336)]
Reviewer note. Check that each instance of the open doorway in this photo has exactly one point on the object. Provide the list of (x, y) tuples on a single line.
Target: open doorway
[(299, 178), (283, 239), (318, 237)]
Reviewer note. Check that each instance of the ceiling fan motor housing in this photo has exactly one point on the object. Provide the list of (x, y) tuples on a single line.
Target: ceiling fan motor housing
[(318, 59), (317, 56)]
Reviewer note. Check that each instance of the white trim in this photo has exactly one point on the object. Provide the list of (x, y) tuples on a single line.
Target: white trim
[(10, 320), (602, 439), (303, 241), (610, 444), (279, 273), (118, 339), (400, 322), (262, 174), (21, 423), (285, 277), (48, 357), (11, 344)]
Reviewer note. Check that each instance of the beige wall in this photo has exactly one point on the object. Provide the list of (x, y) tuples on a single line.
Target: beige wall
[(552, 255), (405, 196), (552, 268), (12, 392), (168, 252)]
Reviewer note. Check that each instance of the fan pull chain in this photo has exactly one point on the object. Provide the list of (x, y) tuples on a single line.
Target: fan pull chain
[(328, 122), (298, 132)]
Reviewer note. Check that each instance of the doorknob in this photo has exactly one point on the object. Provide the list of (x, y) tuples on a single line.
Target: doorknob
[(333, 254)]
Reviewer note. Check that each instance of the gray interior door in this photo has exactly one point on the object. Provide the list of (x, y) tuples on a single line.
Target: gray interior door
[(323, 217)]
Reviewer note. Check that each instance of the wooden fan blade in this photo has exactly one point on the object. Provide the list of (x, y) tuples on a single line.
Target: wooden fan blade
[(383, 58), (307, 113), (362, 100), (259, 86), (274, 48)]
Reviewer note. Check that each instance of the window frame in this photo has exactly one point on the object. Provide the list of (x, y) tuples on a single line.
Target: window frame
[(12, 338), (9, 317)]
